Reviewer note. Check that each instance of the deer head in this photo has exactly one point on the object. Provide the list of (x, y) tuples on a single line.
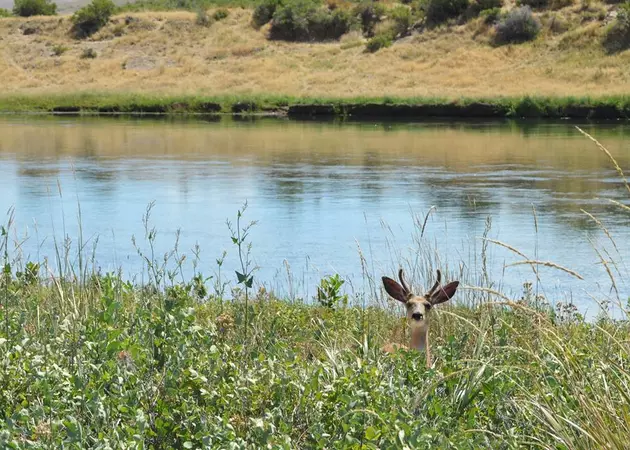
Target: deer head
[(419, 306)]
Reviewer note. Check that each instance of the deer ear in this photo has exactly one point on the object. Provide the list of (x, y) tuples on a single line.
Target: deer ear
[(445, 293), (395, 290)]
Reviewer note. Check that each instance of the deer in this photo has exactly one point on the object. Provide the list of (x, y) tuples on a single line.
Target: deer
[(418, 310)]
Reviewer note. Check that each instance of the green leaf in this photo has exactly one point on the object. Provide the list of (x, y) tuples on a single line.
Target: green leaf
[(371, 433), (188, 444), (241, 278)]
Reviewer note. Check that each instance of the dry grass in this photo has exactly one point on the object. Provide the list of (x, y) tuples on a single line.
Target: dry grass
[(163, 52)]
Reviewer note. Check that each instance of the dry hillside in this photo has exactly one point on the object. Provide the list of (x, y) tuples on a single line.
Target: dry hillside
[(168, 52)]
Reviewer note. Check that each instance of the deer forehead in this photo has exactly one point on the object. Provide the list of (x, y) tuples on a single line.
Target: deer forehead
[(419, 304)]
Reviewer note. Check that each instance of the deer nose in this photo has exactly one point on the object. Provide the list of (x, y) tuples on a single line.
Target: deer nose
[(417, 316)]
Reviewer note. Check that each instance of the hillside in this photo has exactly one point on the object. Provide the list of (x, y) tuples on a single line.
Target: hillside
[(168, 52)]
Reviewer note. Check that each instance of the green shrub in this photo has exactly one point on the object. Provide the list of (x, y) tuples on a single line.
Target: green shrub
[(439, 11), (618, 34), (220, 14), (378, 42), (329, 292), (4, 13), (402, 18), (264, 12), (59, 50), (93, 17), (326, 24), (369, 13), (27, 8), (490, 16), (88, 53), (303, 20), (290, 22), (519, 25)]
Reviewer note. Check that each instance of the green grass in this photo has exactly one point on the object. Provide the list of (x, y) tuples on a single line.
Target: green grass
[(530, 107), (103, 360)]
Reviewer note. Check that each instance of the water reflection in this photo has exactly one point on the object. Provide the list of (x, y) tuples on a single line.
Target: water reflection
[(318, 188)]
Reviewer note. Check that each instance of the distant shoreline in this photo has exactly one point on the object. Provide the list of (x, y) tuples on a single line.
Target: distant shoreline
[(608, 108)]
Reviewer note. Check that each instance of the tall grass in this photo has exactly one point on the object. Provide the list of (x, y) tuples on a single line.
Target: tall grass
[(91, 359)]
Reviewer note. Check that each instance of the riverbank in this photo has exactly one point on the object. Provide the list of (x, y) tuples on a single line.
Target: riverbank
[(166, 62), (608, 108)]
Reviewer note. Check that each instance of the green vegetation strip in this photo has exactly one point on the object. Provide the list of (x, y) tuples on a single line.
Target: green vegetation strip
[(103, 360), (526, 107)]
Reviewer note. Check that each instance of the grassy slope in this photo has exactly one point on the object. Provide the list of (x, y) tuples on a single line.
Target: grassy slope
[(166, 52)]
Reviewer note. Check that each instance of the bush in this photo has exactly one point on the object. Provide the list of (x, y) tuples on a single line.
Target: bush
[(490, 16), (27, 8), (93, 17), (290, 22), (439, 11), (402, 20), (369, 13), (378, 42), (519, 25), (88, 53), (264, 12), (303, 20), (59, 50), (618, 35), (4, 13), (220, 14)]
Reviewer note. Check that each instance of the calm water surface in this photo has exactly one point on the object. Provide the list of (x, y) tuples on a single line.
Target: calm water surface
[(321, 191)]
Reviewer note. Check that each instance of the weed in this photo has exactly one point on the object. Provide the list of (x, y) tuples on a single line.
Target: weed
[(239, 238), (329, 292), (4, 13)]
